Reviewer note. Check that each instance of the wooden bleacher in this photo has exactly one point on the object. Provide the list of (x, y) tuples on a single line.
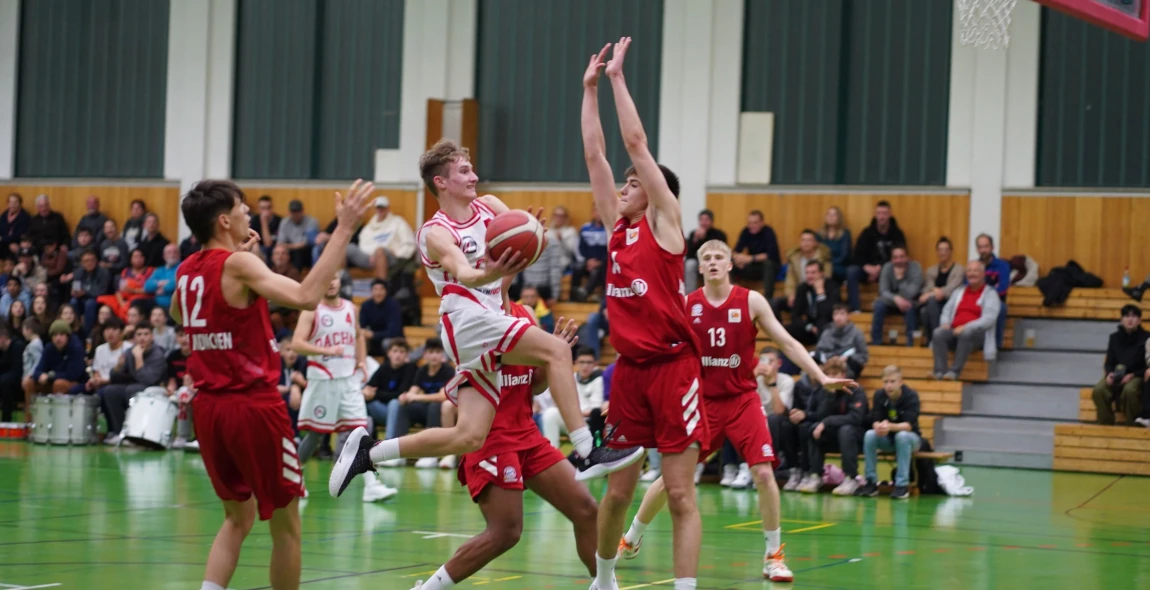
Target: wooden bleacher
[(1093, 448), (1086, 410), (937, 397), (1083, 304)]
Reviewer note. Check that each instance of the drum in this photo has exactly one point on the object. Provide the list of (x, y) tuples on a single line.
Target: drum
[(13, 430), (41, 419), (150, 418), (73, 419)]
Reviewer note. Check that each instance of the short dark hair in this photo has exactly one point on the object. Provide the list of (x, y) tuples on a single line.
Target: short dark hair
[(756, 213), (584, 351), (814, 262), (944, 240), (899, 246), (670, 177), (143, 205), (809, 231), (142, 326), (19, 197), (179, 329), (32, 325), (4, 332), (14, 278), (380, 282), (83, 230), (207, 200), (708, 213), (114, 322), (770, 350), (842, 306), (87, 253), (267, 198), (399, 342), (984, 235), (433, 343), (883, 203), (1131, 309)]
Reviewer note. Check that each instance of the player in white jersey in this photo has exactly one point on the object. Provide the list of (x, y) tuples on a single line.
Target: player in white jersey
[(480, 337), (333, 400)]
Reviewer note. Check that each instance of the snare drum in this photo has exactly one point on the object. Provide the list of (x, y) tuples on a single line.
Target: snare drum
[(151, 415), (41, 419), (61, 419), (13, 430)]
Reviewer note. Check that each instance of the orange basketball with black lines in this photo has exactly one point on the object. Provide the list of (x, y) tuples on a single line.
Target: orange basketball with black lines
[(518, 231)]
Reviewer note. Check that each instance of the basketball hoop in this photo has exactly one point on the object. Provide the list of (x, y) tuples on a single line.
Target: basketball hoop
[(985, 23)]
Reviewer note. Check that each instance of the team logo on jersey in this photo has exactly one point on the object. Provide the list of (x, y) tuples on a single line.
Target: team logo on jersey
[(632, 235), (639, 286), (731, 362), (326, 321), (697, 310), (734, 316), (734, 361), (319, 411), (468, 245), (509, 475), (767, 451)]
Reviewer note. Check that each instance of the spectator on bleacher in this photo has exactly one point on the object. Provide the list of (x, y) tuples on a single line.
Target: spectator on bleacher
[(893, 429), (899, 284), (835, 236), (56, 265), (29, 270), (593, 330), (297, 232), (281, 263), (14, 223), (96, 334), (355, 257), (814, 302), (567, 236), (777, 393), (394, 377), (833, 423), (529, 297), (62, 364), (547, 270), (265, 221), (704, 232), (48, 226), (941, 280), (107, 355), (163, 335), (589, 386), (93, 220), (68, 314), (421, 403), (1125, 370), (967, 323), (292, 383), (33, 352), (11, 373), (17, 315), (113, 250), (190, 246), (181, 389), (140, 368), (14, 291), (133, 318), (808, 250), (756, 253), (590, 274), (42, 312), (842, 339), (872, 251), (87, 284), (389, 243), (379, 319), (132, 281), (162, 283), (83, 241), (997, 276), (152, 241), (134, 226)]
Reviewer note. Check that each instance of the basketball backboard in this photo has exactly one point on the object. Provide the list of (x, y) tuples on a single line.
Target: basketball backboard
[(1128, 17)]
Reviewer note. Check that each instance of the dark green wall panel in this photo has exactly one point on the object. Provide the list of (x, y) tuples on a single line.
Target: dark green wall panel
[(317, 87), (860, 89), (531, 57), (1094, 107), (92, 88)]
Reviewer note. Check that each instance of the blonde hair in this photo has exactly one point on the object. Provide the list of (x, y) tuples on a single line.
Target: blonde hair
[(838, 231), (710, 245), (434, 162), (891, 370)]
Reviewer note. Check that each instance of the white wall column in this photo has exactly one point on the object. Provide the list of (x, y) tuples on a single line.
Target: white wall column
[(9, 70), (993, 119), (726, 92), (198, 118)]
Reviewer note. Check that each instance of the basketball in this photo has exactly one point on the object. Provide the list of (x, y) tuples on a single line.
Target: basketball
[(518, 231)]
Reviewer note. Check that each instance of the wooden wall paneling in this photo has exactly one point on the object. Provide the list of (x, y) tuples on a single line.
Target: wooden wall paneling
[(319, 202), (71, 202)]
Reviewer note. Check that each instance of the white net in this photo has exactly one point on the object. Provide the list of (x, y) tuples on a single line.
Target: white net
[(985, 23)]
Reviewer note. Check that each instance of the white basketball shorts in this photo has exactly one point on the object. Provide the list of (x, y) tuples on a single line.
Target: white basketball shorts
[(476, 338), (332, 405)]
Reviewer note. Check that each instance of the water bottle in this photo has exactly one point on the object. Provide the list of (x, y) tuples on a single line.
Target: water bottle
[(1126, 278)]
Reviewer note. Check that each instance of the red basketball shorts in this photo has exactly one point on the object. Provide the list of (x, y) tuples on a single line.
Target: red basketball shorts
[(248, 448), (507, 470), (658, 404), (741, 420)]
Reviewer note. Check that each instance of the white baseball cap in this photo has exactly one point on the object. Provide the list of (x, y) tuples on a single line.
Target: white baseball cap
[(382, 203)]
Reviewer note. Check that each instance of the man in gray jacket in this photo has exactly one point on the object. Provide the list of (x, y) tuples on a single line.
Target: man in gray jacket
[(843, 339), (140, 368), (967, 322), (900, 282)]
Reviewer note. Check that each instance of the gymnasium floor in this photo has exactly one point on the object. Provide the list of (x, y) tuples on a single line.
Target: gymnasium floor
[(94, 518)]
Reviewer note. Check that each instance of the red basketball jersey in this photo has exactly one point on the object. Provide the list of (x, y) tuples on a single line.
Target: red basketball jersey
[(513, 428), (645, 295), (233, 350), (727, 342)]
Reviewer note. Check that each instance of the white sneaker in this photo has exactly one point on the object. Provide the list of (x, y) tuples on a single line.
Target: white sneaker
[(650, 476), (192, 446), (427, 463), (113, 439), (775, 569), (1143, 422), (627, 550), (448, 462), (418, 585), (393, 463), (846, 488), (614, 585), (699, 472), (743, 479), (811, 484), (793, 481), (375, 490), (179, 443), (729, 473)]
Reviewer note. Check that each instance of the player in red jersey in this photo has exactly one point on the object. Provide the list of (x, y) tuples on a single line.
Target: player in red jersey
[(727, 319), (656, 384), (516, 456), (246, 439)]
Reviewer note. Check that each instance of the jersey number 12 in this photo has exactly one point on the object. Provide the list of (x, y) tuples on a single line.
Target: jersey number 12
[(192, 319), (718, 336)]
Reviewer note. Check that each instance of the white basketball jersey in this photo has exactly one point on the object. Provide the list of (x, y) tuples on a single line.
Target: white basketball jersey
[(471, 237), (333, 326)]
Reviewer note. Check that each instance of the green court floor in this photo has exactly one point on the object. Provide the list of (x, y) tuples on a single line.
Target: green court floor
[(97, 518)]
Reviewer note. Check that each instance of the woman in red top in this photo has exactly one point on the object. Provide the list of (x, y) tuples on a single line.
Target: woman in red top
[(132, 281)]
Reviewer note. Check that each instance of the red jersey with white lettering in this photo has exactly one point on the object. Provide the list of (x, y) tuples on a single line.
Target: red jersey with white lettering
[(645, 295), (513, 428), (726, 342), (233, 350)]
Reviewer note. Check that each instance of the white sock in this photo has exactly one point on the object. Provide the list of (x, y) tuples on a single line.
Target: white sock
[(440, 581), (385, 451), (636, 531), (211, 586), (774, 540), (583, 441), (685, 583), (605, 571)]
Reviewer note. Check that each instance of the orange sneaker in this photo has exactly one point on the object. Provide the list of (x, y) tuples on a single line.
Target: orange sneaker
[(774, 569), (629, 551)]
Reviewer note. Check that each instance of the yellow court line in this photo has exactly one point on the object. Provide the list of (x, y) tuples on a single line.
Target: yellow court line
[(420, 574), (816, 524), (497, 580), (649, 584), (812, 528)]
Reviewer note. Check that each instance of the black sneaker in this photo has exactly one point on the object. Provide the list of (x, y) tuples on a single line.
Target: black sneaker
[(899, 493), (354, 459), (604, 460), (868, 489)]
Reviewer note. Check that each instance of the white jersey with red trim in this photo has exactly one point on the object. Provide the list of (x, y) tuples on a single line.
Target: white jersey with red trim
[(471, 237), (333, 326)]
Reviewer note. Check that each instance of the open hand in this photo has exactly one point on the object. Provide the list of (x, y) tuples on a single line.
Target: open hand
[(615, 66), (595, 67), (836, 384), (350, 209), (567, 330)]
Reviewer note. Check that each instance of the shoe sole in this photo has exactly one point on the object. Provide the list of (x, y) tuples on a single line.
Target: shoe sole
[(602, 469), (387, 496), (779, 579), (340, 476)]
